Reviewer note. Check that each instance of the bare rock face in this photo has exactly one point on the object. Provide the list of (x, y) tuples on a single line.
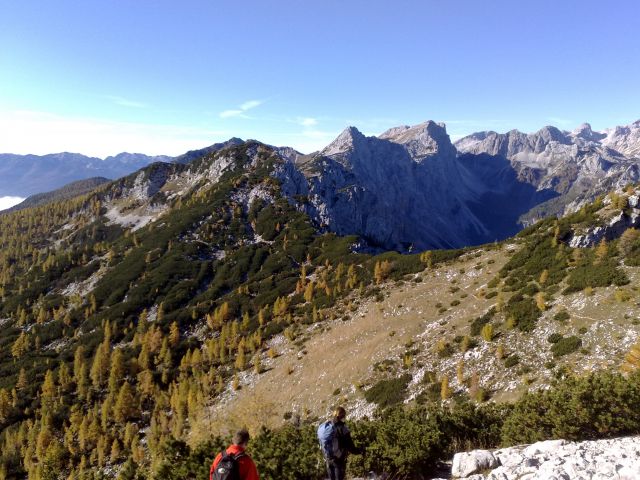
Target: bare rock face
[(625, 140), (403, 190), (410, 188), (554, 460)]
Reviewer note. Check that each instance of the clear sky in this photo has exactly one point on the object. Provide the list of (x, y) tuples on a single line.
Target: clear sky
[(163, 76)]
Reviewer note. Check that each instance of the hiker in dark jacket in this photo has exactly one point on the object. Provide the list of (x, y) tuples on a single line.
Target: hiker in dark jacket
[(246, 469), (337, 460)]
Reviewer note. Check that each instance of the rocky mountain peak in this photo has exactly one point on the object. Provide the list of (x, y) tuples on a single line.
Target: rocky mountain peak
[(422, 140), (585, 132), (550, 134), (345, 142)]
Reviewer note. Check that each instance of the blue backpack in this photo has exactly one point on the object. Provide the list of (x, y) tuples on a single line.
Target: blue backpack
[(328, 438)]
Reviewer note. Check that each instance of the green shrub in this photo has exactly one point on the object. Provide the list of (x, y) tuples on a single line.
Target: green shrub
[(388, 392), (524, 311), (401, 442), (554, 337), (562, 316), (565, 346), (288, 453), (511, 361), (600, 275), (599, 405), (479, 322)]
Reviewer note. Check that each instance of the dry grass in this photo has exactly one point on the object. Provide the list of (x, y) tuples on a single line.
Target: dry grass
[(337, 359), (339, 355)]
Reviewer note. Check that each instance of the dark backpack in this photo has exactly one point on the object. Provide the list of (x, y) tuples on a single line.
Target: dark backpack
[(228, 467)]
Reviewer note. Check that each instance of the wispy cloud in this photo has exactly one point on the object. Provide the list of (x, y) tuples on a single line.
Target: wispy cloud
[(125, 102), (307, 121), (97, 137), (560, 121), (240, 111)]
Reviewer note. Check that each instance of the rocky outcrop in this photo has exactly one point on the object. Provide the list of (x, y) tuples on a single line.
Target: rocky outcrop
[(611, 227), (553, 460), (467, 463), (625, 139)]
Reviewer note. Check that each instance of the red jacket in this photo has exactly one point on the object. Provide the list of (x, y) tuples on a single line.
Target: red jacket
[(248, 470)]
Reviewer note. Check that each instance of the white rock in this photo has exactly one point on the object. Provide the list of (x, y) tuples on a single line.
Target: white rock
[(541, 448), (617, 458), (467, 463)]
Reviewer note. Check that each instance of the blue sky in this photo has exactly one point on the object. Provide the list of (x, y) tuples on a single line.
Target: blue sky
[(160, 77)]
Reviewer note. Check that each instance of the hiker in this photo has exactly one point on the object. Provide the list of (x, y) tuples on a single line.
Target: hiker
[(233, 463), (336, 444)]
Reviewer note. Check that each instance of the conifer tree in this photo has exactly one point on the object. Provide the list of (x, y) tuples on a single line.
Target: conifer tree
[(632, 359), (117, 370), (543, 277), (174, 334), (460, 371), (601, 251), (540, 301), (49, 391), (445, 391), (487, 332), (308, 292), (125, 408), (22, 382)]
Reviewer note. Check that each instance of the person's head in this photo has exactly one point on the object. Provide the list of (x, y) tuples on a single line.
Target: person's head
[(241, 438), (339, 414)]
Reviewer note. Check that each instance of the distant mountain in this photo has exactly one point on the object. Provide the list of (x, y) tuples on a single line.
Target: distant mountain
[(70, 190), (383, 188), (24, 175), (572, 167)]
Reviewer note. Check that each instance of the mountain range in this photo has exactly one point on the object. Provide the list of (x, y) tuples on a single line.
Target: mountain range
[(411, 187), (25, 175)]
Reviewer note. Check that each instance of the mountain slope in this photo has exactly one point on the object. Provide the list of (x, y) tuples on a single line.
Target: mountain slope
[(70, 190)]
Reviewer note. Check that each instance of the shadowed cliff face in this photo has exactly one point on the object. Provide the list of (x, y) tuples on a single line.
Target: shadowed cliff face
[(507, 195), (408, 189), (403, 190)]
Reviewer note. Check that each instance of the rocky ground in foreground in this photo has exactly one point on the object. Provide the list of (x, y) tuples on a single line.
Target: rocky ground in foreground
[(617, 458)]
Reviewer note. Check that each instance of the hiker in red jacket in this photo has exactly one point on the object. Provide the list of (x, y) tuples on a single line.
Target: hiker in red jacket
[(234, 463)]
